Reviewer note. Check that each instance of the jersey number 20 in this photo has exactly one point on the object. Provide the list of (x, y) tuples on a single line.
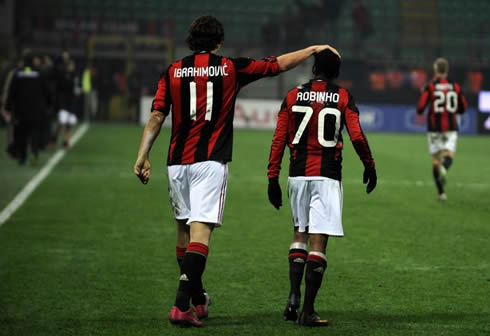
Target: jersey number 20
[(308, 111), (449, 99)]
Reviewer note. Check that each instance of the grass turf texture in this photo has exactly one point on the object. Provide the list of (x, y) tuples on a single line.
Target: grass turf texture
[(92, 251)]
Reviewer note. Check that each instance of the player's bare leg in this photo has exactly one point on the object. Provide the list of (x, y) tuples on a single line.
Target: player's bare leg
[(438, 175), (316, 265), (447, 160), (190, 284), (297, 260)]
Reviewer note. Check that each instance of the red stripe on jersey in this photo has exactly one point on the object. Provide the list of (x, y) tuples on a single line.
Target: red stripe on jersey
[(229, 94), (290, 101), (313, 147), (200, 61), (176, 117), (160, 102)]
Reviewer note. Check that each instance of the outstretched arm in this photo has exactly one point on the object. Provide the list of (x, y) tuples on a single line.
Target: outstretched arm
[(142, 167), (288, 61)]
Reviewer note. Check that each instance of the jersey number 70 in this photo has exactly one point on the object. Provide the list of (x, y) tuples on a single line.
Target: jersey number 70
[(321, 124)]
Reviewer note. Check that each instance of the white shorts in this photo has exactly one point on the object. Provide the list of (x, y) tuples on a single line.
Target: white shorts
[(316, 204), (67, 118), (442, 141), (198, 191)]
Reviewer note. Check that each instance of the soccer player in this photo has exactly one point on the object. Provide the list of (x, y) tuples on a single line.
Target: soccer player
[(310, 123), (446, 99), (201, 89), (66, 89)]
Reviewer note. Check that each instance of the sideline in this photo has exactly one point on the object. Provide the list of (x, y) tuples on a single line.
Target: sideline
[(22, 196)]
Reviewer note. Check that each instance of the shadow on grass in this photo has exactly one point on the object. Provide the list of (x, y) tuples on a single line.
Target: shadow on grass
[(339, 322), (358, 318)]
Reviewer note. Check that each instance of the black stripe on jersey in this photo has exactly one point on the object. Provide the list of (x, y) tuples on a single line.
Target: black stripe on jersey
[(185, 124), (297, 166), (437, 116), (451, 121), (202, 145), (224, 144), (331, 167)]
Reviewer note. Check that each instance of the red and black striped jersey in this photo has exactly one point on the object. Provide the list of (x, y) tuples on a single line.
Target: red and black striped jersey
[(310, 122), (446, 99), (201, 90)]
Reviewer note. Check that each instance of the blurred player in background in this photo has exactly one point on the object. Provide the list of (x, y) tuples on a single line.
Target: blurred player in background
[(445, 99), (67, 86), (310, 123), (5, 114), (201, 89)]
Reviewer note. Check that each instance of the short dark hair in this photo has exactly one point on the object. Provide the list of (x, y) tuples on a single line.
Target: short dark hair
[(205, 34), (327, 64)]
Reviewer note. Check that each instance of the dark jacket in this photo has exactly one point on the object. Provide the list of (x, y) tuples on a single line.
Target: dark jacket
[(29, 95)]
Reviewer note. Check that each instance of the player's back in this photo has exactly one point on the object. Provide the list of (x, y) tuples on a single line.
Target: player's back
[(445, 99), (202, 88), (202, 94), (316, 115)]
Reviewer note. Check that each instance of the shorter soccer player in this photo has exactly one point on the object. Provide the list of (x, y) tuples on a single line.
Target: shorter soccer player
[(446, 99), (310, 123)]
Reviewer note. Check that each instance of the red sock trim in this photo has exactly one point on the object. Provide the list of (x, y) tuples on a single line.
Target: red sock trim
[(317, 259), (198, 248), (180, 252), (295, 255)]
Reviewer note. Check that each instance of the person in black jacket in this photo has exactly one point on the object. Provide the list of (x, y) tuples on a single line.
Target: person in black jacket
[(27, 102)]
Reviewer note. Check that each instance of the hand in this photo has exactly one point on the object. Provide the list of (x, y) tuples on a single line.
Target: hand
[(320, 48), (274, 192), (142, 169), (370, 178)]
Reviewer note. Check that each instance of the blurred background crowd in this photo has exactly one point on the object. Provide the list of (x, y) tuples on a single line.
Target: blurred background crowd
[(116, 49)]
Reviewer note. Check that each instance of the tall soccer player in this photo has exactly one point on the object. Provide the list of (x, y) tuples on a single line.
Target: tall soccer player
[(201, 90), (310, 123), (446, 100)]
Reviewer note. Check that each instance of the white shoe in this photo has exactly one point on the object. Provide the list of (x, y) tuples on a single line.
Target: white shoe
[(442, 197), (442, 174)]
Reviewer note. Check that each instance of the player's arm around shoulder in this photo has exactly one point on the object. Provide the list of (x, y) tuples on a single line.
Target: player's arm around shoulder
[(290, 60), (142, 166)]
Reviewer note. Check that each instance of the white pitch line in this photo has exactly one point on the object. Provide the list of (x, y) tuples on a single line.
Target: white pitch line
[(22, 196)]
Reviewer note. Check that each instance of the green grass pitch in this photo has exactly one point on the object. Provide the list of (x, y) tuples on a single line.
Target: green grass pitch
[(92, 251)]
